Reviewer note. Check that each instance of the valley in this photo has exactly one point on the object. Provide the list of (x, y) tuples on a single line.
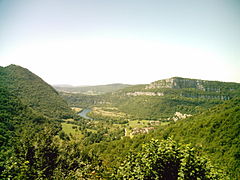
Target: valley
[(102, 132), (119, 90)]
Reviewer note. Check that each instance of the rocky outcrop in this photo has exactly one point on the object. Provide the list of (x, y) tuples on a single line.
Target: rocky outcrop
[(180, 83), (195, 88), (179, 115), (141, 130), (177, 83)]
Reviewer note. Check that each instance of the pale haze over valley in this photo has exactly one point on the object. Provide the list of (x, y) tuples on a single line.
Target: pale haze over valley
[(129, 41)]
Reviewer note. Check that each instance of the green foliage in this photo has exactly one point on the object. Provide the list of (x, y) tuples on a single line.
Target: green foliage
[(30, 147), (33, 156), (42, 155), (166, 160), (34, 92), (216, 132), (74, 163), (15, 117)]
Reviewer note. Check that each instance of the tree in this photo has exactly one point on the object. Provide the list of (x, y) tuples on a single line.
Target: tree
[(166, 160), (34, 154)]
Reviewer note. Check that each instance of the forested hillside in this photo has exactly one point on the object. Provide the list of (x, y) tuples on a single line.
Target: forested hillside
[(162, 99), (31, 146), (34, 92), (214, 132)]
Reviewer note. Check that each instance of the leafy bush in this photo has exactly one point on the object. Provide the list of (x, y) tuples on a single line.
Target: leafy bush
[(167, 160)]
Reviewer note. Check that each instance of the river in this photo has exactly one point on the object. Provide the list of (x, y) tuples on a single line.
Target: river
[(84, 112)]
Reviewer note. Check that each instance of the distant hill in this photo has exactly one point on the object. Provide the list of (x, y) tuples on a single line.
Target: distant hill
[(34, 92), (91, 90), (203, 85), (161, 99)]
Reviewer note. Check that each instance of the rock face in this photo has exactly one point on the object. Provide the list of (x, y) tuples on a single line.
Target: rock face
[(179, 115), (141, 130), (196, 88), (180, 83), (191, 88)]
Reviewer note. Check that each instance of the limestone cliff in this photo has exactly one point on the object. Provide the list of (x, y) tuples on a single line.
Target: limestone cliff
[(180, 83)]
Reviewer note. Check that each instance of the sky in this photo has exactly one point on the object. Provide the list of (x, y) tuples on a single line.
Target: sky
[(92, 42)]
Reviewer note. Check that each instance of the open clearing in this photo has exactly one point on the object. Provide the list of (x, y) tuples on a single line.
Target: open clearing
[(68, 129)]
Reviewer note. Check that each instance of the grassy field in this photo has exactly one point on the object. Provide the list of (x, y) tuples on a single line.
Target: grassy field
[(68, 129), (138, 123), (107, 112)]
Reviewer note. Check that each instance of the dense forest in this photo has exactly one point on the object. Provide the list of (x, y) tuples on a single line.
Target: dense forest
[(169, 129), (34, 92), (214, 132)]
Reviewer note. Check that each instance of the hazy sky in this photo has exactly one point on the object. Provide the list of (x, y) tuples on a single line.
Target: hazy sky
[(86, 42)]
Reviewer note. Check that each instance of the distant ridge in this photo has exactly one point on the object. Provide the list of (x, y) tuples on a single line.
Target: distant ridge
[(62, 85), (34, 92), (179, 82), (161, 99), (92, 90), (165, 97)]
